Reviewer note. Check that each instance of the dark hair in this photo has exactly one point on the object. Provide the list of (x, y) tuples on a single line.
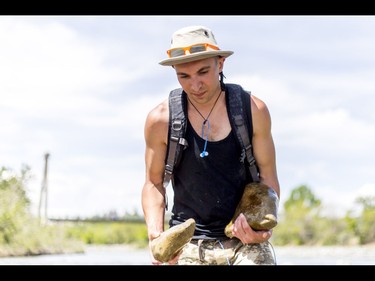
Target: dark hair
[(222, 76)]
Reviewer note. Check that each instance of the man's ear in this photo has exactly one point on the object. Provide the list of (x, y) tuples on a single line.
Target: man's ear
[(221, 63)]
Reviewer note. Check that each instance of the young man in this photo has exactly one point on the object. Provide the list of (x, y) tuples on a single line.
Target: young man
[(209, 180)]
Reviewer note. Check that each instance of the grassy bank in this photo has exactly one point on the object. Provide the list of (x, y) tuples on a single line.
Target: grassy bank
[(108, 232), (36, 239)]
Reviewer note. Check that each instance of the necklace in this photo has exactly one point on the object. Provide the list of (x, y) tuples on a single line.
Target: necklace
[(205, 121)]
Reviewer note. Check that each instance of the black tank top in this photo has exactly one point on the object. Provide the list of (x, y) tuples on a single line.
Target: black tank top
[(208, 189)]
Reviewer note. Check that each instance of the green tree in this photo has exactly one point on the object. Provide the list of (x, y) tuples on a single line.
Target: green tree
[(14, 203), (21, 232), (302, 198), (301, 222), (364, 224), (296, 224)]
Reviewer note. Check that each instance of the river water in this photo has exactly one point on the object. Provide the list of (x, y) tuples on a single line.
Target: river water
[(126, 255)]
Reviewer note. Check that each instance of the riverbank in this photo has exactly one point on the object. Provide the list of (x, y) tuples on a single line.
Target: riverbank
[(65, 247), (326, 255), (128, 255)]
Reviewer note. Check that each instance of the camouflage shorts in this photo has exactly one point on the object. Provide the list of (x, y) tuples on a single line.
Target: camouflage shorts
[(226, 252)]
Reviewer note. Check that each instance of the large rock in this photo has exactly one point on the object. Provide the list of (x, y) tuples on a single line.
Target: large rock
[(259, 204), (170, 242)]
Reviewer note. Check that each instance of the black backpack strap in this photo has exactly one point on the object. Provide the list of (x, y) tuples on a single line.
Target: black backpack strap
[(176, 133), (239, 100)]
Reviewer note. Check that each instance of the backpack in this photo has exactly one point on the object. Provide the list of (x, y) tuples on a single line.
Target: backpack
[(240, 120)]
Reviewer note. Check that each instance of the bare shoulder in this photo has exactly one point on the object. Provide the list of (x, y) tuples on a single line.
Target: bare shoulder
[(258, 105), (159, 113), (157, 121), (260, 113)]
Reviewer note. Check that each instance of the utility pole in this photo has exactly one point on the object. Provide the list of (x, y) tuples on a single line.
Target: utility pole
[(44, 193)]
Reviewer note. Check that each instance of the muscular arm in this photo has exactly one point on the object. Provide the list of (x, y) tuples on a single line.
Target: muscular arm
[(153, 201), (265, 156), (263, 145)]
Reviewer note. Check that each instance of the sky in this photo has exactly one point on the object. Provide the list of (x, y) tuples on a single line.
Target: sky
[(80, 87)]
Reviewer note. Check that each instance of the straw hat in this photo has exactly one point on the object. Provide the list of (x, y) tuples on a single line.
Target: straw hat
[(193, 43)]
